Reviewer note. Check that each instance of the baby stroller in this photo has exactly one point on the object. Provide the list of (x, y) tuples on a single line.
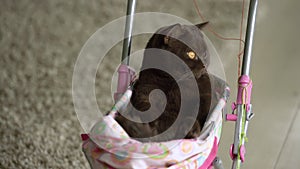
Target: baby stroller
[(109, 146)]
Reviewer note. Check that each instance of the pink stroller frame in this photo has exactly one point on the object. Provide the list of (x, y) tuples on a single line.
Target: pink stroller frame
[(109, 146)]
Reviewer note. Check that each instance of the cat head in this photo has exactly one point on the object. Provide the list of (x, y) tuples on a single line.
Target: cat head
[(185, 41)]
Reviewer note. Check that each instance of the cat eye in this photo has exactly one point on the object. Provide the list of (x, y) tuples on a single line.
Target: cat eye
[(191, 55)]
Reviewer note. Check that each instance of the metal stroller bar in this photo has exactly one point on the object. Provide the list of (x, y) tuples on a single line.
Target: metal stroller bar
[(126, 74), (249, 37), (243, 104), (128, 31)]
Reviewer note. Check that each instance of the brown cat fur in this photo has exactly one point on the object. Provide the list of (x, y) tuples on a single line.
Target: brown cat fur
[(178, 40)]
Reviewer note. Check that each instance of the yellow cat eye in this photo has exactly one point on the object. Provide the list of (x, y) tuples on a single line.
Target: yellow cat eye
[(191, 55)]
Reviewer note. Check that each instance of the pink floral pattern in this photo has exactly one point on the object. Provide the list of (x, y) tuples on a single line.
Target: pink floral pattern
[(109, 146)]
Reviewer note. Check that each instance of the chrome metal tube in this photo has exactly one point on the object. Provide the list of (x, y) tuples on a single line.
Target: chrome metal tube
[(249, 37), (239, 128), (128, 31)]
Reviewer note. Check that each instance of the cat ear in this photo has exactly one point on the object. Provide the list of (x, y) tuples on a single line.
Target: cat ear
[(202, 25)]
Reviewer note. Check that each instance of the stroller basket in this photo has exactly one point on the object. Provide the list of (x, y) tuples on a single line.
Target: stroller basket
[(109, 146)]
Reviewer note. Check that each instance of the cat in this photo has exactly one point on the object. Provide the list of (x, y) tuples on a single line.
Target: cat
[(187, 43)]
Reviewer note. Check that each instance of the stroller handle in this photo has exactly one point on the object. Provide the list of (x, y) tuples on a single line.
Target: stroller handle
[(243, 104), (249, 37), (128, 31)]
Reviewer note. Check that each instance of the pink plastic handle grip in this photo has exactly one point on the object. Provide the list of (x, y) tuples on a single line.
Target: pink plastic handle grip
[(125, 75), (123, 79)]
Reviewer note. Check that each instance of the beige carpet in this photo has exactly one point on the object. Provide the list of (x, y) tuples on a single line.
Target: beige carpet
[(39, 44)]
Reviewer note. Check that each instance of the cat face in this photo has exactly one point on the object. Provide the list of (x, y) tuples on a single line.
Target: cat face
[(186, 42)]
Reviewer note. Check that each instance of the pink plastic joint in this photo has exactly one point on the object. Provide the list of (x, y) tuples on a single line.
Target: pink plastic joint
[(231, 152), (242, 153), (231, 117), (248, 107), (244, 90), (233, 106)]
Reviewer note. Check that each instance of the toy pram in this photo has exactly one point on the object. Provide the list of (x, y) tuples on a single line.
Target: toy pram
[(109, 146)]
